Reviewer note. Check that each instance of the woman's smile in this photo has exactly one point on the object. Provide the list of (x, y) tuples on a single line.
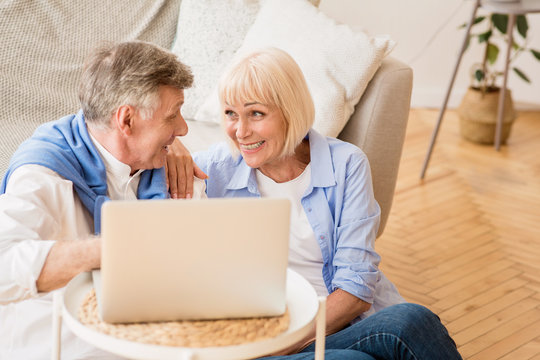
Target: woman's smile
[(252, 146)]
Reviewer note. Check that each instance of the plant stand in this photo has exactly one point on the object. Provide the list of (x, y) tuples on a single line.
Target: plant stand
[(512, 9)]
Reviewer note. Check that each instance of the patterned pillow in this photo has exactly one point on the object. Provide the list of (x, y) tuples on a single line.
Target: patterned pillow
[(208, 34)]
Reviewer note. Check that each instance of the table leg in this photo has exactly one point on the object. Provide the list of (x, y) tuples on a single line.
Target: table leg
[(320, 329), (502, 95), (188, 355), (57, 326), (449, 90)]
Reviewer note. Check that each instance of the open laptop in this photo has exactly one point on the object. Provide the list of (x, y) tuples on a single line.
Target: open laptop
[(193, 259)]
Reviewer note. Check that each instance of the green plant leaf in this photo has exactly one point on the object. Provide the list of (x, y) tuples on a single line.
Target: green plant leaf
[(479, 75), (521, 74), (522, 25), (536, 54), (476, 21), (492, 53), (500, 21), (484, 36)]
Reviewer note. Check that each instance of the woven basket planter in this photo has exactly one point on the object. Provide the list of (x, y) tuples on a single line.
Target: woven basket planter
[(478, 116)]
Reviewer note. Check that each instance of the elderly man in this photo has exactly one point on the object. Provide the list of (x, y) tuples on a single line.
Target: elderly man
[(115, 147)]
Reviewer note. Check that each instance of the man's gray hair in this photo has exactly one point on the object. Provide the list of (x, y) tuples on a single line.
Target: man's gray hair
[(128, 73)]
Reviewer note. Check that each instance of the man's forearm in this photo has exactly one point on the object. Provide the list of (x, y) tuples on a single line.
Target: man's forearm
[(66, 260)]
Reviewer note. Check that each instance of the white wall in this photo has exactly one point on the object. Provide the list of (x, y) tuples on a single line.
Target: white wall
[(428, 39)]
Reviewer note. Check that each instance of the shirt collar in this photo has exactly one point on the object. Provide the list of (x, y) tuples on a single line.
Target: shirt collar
[(322, 168), (115, 168), (243, 177)]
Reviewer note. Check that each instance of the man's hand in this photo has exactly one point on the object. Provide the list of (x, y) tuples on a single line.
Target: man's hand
[(180, 170)]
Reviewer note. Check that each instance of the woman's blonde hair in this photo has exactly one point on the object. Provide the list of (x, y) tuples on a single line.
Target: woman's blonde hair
[(270, 76)]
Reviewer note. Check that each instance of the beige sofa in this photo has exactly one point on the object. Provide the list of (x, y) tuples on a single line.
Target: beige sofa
[(44, 44)]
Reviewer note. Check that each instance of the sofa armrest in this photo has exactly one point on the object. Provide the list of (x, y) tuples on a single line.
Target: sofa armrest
[(378, 127)]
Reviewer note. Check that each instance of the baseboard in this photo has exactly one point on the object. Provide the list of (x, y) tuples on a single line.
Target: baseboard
[(433, 98)]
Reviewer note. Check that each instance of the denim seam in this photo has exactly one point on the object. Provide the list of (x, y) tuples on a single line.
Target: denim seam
[(387, 334)]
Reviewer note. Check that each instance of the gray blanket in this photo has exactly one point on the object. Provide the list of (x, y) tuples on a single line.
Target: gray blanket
[(44, 44)]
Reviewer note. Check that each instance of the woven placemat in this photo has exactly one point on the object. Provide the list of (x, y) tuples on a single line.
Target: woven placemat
[(201, 333)]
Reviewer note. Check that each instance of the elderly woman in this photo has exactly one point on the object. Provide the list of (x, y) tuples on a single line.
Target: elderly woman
[(268, 112)]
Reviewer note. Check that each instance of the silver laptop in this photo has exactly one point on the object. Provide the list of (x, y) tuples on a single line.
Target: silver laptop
[(193, 259)]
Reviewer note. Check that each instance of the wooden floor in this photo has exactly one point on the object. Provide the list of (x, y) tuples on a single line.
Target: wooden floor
[(465, 242)]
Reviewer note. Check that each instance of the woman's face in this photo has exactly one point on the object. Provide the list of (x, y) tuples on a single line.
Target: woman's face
[(257, 130)]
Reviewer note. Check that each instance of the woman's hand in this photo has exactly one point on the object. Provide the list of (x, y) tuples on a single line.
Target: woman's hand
[(341, 309), (180, 170)]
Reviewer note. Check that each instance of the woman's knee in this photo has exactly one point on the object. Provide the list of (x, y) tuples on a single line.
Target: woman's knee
[(396, 331), (418, 321), (416, 312), (414, 317)]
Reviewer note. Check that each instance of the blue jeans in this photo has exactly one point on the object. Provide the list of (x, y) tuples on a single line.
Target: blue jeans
[(404, 331)]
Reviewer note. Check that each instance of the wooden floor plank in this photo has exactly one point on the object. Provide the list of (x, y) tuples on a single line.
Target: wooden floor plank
[(493, 322), (465, 241), (510, 340), (477, 289), (477, 249), (480, 272), (485, 298), (527, 351), (460, 273)]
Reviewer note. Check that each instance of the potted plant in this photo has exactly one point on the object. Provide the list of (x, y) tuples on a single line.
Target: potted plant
[(478, 109)]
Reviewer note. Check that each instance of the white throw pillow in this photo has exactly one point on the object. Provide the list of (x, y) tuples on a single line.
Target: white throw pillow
[(208, 34), (337, 62)]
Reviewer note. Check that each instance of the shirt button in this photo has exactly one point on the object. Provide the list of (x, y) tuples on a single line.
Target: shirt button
[(309, 209), (321, 237)]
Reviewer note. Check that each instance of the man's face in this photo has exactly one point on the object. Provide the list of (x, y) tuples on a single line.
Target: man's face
[(151, 137)]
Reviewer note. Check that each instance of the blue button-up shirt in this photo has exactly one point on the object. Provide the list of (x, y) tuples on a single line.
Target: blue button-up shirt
[(338, 203)]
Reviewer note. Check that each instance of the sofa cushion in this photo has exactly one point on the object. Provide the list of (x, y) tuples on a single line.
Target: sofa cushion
[(337, 62)]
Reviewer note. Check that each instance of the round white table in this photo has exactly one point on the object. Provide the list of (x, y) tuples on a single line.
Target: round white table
[(305, 310)]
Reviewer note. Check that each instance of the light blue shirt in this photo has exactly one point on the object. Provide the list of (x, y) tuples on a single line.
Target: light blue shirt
[(338, 203)]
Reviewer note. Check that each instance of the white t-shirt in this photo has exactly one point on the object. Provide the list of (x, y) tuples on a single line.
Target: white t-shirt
[(305, 255)]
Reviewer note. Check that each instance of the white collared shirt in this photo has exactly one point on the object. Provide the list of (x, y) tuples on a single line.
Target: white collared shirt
[(39, 207), (120, 184)]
